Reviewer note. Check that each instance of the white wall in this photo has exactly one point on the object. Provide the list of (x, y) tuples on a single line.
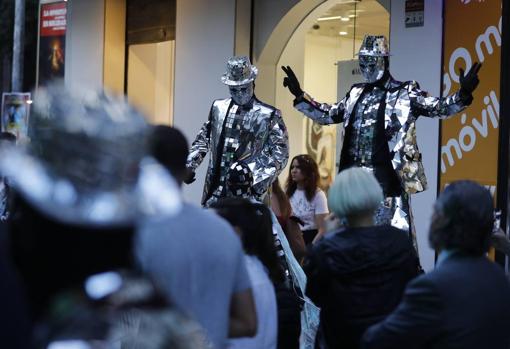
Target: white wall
[(416, 55), (84, 43), (293, 55), (150, 80), (204, 42), (114, 45)]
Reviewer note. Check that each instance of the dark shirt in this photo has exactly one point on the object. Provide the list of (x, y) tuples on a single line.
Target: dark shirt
[(14, 318), (365, 144)]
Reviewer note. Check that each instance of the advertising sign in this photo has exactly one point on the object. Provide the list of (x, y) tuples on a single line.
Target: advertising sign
[(52, 35), (415, 13), (469, 141)]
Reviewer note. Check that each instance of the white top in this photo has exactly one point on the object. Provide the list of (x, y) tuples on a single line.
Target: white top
[(306, 210), (265, 303)]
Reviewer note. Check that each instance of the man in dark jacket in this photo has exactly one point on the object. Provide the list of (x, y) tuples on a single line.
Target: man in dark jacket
[(465, 302)]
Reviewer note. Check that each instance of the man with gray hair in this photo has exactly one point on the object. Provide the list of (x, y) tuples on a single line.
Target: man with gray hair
[(465, 301), (379, 122)]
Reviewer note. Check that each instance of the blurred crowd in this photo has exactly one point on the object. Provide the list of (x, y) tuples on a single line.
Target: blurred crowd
[(99, 250)]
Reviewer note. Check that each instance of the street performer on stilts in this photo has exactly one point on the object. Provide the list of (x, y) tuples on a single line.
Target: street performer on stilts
[(379, 122)]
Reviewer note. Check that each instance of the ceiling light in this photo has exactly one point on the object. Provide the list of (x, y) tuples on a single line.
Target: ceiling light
[(353, 16), (342, 33), (329, 18), (344, 19)]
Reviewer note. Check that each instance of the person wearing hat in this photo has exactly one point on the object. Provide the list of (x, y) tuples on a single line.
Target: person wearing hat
[(80, 187), (379, 121), (240, 128)]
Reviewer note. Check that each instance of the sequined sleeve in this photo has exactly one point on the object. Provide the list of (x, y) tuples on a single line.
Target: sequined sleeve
[(267, 165), (321, 113), (199, 147), (425, 105)]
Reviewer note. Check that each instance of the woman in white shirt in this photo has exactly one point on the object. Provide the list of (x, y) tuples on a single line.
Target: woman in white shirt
[(308, 201), (254, 225)]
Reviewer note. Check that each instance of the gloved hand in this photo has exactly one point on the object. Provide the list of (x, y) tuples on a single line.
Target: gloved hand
[(469, 82), (189, 176), (291, 82)]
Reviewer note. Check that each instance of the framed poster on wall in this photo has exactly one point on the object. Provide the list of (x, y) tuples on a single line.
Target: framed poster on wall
[(15, 114), (51, 41)]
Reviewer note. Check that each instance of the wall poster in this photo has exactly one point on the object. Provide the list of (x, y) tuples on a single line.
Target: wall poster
[(52, 38), (469, 141), (15, 114)]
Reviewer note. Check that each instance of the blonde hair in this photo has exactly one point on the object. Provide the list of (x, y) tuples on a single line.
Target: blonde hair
[(353, 192)]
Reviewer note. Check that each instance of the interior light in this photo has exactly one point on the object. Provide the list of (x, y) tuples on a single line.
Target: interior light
[(29, 101), (344, 19), (342, 33), (329, 18)]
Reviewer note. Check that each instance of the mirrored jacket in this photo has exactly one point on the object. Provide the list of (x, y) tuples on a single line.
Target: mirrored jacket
[(261, 143), (405, 102)]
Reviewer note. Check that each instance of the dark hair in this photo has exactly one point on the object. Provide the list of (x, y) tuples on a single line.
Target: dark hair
[(463, 219), (52, 255), (310, 171), (7, 136), (170, 148), (282, 199), (255, 223)]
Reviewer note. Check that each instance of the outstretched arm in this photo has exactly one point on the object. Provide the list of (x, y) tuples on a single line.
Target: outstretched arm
[(321, 113), (423, 104)]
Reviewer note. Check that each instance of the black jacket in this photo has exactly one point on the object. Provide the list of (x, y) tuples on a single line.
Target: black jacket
[(464, 303), (357, 277)]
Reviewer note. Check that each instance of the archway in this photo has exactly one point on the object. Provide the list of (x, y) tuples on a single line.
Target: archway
[(313, 58)]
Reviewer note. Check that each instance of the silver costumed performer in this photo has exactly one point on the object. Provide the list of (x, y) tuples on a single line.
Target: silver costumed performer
[(240, 129), (379, 122)]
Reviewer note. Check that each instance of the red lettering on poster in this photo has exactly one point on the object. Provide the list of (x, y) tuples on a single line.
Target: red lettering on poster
[(53, 19)]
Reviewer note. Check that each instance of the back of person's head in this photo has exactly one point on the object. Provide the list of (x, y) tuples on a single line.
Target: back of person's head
[(7, 137), (77, 188), (310, 172), (254, 223), (52, 255), (354, 192), (463, 219), (170, 148)]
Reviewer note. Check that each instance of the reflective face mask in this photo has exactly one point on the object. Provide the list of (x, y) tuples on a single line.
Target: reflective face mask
[(372, 68), (241, 94)]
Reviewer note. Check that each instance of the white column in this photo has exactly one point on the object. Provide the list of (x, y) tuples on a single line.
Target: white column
[(416, 55), (204, 42), (84, 43)]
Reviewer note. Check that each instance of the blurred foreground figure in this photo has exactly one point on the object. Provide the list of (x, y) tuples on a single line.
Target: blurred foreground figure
[(465, 301), (80, 186)]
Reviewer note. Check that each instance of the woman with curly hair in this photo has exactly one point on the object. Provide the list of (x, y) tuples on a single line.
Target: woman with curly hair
[(308, 201)]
